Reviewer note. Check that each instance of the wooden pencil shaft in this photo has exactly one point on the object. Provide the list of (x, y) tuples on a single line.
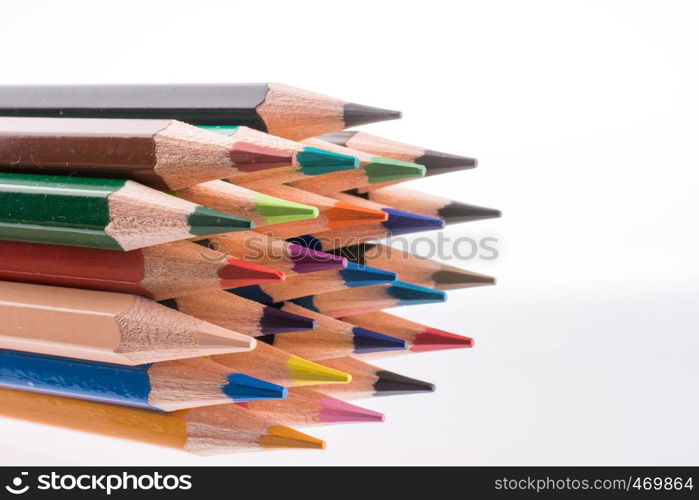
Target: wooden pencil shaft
[(111, 214), (165, 386), (413, 268), (162, 153), (436, 162), (270, 107), (104, 326), (202, 431), (157, 272)]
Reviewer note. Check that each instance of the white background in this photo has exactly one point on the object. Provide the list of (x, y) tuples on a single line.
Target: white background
[(584, 116)]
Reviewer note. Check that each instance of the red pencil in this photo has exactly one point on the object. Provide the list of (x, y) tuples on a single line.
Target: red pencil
[(158, 272)]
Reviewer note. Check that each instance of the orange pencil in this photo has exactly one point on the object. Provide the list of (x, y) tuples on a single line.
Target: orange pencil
[(209, 430)]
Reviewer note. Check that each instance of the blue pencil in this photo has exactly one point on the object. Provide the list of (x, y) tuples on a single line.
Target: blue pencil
[(299, 285), (374, 298), (166, 386)]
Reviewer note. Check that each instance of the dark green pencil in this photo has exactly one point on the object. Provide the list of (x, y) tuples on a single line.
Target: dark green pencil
[(112, 214)]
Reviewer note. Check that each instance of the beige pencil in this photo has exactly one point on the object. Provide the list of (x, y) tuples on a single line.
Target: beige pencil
[(104, 326)]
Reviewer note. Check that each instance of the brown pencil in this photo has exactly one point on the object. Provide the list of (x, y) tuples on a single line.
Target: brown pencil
[(104, 326), (159, 153)]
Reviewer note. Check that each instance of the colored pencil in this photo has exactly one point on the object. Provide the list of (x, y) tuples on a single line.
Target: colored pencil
[(306, 407), (371, 298), (165, 386), (208, 430), (369, 380), (435, 162), (269, 252), (453, 212), (419, 337), (310, 162), (398, 222), (104, 326), (238, 314), (331, 338), (413, 269), (111, 214), (159, 153), (260, 208), (280, 367), (271, 107), (157, 272), (333, 214), (372, 170), (300, 285)]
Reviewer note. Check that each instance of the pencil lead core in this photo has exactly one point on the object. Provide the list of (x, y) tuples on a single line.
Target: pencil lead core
[(359, 114)]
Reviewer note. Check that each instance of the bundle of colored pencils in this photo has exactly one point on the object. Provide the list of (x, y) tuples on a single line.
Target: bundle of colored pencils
[(197, 266)]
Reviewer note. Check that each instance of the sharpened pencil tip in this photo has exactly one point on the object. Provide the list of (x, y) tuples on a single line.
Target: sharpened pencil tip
[(409, 294), (252, 292), (384, 170), (348, 214), (275, 321), (456, 212), (314, 161), (341, 137), (281, 436), (442, 163), (212, 339), (309, 261), (203, 221), (243, 387), (305, 372), (402, 222), (336, 411), (357, 275), (393, 384), (450, 278), (250, 157), (238, 272), (276, 210), (366, 341), (359, 114), (433, 339)]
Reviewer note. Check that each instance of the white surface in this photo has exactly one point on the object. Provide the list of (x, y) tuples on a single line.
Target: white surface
[(584, 118)]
